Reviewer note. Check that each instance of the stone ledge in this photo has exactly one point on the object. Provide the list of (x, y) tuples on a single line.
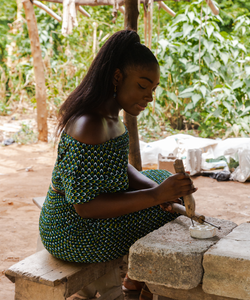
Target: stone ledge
[(227, 265), (170, 257)]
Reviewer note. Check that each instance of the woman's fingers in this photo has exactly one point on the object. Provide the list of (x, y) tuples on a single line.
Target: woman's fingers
[(176, 186)]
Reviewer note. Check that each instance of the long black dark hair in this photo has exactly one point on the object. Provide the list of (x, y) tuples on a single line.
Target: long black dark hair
[(123, 49)]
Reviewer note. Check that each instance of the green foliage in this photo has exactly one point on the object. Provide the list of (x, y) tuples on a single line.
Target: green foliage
[(25, 135), (207, 90), (7, 16), (204, 85)]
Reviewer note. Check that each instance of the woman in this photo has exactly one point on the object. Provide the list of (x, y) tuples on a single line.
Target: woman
[(98, 205)]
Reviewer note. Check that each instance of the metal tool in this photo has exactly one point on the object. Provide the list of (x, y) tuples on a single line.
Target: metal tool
[(189, 209)]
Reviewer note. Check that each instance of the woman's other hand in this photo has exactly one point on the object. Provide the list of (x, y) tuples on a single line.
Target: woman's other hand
[(174, 187), (167, 206)]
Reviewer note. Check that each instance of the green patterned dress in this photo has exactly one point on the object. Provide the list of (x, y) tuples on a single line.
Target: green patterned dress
[(83, 172)]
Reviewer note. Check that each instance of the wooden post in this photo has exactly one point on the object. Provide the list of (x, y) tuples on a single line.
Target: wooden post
[(38, 70), (131, 17)]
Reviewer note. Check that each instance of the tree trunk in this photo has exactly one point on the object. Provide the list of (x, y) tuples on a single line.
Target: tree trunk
[(131, 17), (38, 70)]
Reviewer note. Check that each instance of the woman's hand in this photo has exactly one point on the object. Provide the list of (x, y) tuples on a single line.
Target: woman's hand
[(174, 187), (167, 206)]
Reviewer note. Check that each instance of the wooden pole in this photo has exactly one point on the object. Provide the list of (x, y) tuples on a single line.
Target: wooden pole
[(48, 10), (38, 70), (131, 17), (102, 2)]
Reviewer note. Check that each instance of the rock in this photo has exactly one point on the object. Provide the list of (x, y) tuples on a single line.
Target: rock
[(8, 142), (227, 265), (170, 257)]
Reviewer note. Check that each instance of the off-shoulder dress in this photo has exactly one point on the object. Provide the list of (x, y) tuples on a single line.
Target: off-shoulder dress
[(81, 173)]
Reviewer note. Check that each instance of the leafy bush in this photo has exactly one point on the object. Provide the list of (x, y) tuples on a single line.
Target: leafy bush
[(206, 90), (205, 74)]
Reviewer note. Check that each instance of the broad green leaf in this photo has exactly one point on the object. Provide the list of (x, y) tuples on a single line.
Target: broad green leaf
[(203, 90), (227, 105), (169, 62), (245, 126), (187, 29), (237, 84), (209, 45), (172, 96), (245, 112), (217, 90), (224, 57), (235, 42), (247, 70), (207, 60), (192, 69), (158, 92), (205, 77), (191, 16), (188, 90), (183, 60), (210, 29), (196, 98), (209, 100), (219, 36), (164, 44), (227, 91), (198, 55), (236, 129), (215, 66), (235, 53), (180, 18), (242, 47), (218, 86), (189, 106), (217, 112), (185, 95)]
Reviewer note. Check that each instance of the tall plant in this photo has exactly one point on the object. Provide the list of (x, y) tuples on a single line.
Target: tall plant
[(204, 74)]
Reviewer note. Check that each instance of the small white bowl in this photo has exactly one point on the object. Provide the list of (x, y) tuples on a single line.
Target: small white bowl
[(201, 231)]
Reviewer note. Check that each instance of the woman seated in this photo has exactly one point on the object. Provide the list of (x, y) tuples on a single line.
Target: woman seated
[(98, 205)]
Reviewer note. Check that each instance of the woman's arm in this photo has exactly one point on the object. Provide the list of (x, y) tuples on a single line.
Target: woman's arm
[(137, 181), (118, 204)]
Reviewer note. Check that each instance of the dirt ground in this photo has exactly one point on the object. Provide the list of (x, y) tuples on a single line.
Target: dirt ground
[(25, 172)]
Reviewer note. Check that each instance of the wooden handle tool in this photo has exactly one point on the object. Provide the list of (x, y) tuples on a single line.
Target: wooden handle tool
[(189, 199), (180, 209), (189, 209)]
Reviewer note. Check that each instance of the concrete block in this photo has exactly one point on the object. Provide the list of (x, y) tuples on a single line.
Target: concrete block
[(227, 265), (169, 256)]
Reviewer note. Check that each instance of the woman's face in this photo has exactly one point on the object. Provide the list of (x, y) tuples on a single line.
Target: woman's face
[(136, 89)]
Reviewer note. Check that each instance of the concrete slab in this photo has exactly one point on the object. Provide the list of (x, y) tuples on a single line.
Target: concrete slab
[(177, 294), (227, 265), (170, 257)]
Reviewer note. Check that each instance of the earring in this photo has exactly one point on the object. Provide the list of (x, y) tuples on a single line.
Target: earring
[(114, 96)]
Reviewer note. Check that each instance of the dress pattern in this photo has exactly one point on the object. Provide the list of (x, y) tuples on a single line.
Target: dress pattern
[(83, 172)]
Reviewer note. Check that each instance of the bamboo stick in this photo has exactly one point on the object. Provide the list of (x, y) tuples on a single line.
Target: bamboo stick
[(145, 18), (48, 10), (94, 38), (131, 21), (84, 12), (38, 71), (122, 9), (99, 2), (213, 7), (167, 9), (150, 22)]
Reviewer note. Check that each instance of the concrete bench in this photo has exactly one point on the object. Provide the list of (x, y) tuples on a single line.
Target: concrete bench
[(44, 277), (173, 264)]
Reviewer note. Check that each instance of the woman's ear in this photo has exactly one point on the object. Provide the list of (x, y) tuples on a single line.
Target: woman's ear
[(117, 78)]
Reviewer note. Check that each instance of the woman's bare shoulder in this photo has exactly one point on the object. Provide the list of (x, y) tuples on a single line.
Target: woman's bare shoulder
[(89, 129)]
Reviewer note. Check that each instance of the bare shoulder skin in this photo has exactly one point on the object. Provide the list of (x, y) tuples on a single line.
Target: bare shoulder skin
[(94, 129)]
